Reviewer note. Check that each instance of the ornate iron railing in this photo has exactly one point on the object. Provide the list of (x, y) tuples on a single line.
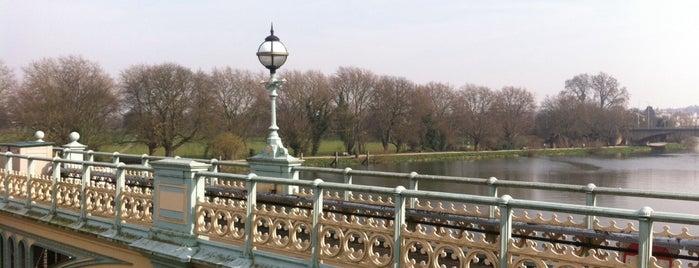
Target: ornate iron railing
[(83, 189), (327, 228), (359, 225)]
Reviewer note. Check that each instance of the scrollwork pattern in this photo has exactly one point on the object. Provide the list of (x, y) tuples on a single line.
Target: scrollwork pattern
[(68, 193), (554, 220), (227, 184), (17, 184), (357, 241), (100, 199), (137, 205), (282, 229), (450, 207), (543, 255), (40, 189), (428, 246), (222, 219)]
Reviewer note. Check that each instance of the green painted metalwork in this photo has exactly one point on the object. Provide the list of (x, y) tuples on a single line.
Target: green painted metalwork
[(318, 193), (505, 230), (249, 208), (398, 222)]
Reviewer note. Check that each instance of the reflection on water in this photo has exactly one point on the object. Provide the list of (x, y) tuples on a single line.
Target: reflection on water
[(668, 172)]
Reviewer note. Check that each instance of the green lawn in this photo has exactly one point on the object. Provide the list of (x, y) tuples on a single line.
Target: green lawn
[(329, 147), (197, 150)]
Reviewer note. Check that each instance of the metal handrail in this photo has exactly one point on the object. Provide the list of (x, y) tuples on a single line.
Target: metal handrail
[(645, 216), (494, 184)]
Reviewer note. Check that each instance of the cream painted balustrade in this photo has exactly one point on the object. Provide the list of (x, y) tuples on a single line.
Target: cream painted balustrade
[(341, 224), (379, 230), (109, 192)]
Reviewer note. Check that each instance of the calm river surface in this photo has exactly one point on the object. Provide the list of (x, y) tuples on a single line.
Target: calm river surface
[(664, 172)]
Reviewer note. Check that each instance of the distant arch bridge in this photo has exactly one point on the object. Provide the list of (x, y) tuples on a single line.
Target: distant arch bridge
[(650, 135)]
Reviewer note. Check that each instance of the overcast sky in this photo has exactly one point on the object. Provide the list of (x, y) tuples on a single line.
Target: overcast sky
[(651, 47)]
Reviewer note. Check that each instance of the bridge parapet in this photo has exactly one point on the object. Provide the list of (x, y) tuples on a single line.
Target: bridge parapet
[(329, 223), (364, 234)]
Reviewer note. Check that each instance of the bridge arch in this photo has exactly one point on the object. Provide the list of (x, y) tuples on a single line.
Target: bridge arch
[(24, 241), (13, 253), (641, 136), (21, 253)]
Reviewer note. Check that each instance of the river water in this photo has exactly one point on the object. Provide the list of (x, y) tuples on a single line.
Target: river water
[(657, 172)]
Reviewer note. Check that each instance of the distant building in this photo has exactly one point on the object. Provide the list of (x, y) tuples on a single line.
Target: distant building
[(650, 117)]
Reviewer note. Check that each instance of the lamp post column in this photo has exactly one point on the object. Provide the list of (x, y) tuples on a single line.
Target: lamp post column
[(274, 142), (274, 160)]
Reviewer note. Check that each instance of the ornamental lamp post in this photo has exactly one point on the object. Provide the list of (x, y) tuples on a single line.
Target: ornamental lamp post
[(273, 54), (274, 160)]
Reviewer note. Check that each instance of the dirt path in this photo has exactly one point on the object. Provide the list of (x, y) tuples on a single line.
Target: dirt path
[(126, 148)]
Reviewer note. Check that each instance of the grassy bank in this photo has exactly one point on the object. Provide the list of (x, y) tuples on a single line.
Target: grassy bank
[(198, 150), (328, 149), (451, 156)]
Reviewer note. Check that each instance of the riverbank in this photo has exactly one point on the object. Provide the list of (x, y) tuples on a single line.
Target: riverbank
[(351, 161)]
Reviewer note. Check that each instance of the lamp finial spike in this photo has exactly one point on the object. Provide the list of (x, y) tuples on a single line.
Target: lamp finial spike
[(271, 28)]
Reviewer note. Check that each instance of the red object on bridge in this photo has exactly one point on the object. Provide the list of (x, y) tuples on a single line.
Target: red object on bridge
[(663, 261)]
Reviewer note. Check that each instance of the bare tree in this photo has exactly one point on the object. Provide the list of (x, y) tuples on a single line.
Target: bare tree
[(421, 129), (389, 110), (352, 88), (67, 94), (475, 110), (166, 104), (611, 124), (440, 128), (602, 89), (590, 108), (241, 101), (580, 87), (514, 108), (8, 84), (562, 120), (607, 91), (305, 110)]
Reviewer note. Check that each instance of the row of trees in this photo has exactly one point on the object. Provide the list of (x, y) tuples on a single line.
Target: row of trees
[(168, 105), (591, 108)]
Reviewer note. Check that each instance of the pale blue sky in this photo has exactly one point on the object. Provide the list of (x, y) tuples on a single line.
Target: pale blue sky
[(651, 47)]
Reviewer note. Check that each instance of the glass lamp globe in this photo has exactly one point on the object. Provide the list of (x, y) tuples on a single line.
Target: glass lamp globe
[(272, 52)]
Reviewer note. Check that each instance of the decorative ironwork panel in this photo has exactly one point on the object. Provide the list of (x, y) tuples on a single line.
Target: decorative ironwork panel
[(356, 241), (226, 184), (100, 197), (554, 219), (137, 205), (41, 189), (451, 207), (282, 229), (222, 219), (68, 193), (17, 184), (429, 246), (544, 255)]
